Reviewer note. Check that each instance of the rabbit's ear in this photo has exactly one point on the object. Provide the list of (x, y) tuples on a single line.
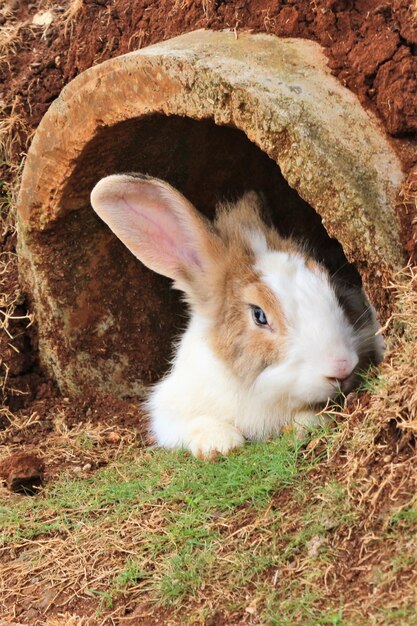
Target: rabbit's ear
[(158, 225)]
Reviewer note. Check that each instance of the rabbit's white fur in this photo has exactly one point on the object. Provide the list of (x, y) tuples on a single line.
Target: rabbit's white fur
[(201, 405), (234, 378)]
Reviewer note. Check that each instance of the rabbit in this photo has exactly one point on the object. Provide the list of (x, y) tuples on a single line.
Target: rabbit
[(270, 339)]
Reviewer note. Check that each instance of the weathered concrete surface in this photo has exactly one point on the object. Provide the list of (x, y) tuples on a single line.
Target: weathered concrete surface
[(279, 92)]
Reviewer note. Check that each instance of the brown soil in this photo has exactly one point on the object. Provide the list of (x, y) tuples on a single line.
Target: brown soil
[(22, 472), (372, 48), (370, 44)]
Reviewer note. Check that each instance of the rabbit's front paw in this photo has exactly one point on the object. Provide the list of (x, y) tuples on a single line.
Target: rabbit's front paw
[(210, 437)]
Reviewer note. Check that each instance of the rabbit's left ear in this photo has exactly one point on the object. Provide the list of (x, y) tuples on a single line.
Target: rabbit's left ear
[(158, 225)]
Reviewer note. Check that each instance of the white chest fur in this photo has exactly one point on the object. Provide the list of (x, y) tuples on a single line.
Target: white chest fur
[(202, 394)]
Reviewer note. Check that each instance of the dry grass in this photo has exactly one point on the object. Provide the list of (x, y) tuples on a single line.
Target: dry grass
[(69, 434), (14, 33), (70, 15), (374, 454), (330, 542), (154, 527), (9, 35), (386, 432), (407, 204), (14, 137), (12, 128), (59, 561)]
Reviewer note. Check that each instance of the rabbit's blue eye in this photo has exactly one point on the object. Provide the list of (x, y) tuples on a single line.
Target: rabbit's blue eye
[(259, 316)]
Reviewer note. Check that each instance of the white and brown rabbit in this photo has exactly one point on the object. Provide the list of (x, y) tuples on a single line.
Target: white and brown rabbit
[(269, 338)]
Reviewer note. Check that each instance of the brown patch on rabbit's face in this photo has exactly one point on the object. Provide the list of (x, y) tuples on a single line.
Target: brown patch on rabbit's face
[(312, 265), (245, 346)]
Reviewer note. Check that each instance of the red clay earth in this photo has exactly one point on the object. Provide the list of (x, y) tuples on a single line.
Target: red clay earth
[(22, 472), (371, 46)]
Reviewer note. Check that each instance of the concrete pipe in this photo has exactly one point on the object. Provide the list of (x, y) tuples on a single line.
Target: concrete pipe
[(214, 115)]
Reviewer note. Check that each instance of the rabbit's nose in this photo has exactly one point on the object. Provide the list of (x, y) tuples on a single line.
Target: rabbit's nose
[(340, 370)]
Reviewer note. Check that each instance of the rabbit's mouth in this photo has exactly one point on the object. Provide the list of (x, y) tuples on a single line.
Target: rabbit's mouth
[(349, 383), (341, 388)]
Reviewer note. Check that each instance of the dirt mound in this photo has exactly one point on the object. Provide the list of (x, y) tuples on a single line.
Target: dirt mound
[(370, 45), (22, 472)]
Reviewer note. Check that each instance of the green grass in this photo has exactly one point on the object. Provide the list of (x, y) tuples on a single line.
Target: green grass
[(196, 490), (186, 524), (402, 616), (371, 381), (174, 530), (405, 518), (301, 611)]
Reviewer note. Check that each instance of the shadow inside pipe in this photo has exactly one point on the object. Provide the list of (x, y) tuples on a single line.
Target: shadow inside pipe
[(119, 317)]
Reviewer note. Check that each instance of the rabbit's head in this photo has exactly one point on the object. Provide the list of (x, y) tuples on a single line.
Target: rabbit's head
[(271, 312)]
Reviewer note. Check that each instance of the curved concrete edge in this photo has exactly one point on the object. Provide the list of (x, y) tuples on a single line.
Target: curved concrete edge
[(278, 91)]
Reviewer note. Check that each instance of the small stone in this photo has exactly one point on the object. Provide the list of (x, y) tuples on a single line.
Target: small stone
[(113, 437), (315, 545), (87, 467), (313, 443), (46, 599), (43, 18), (31, 615), (23, 473)]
